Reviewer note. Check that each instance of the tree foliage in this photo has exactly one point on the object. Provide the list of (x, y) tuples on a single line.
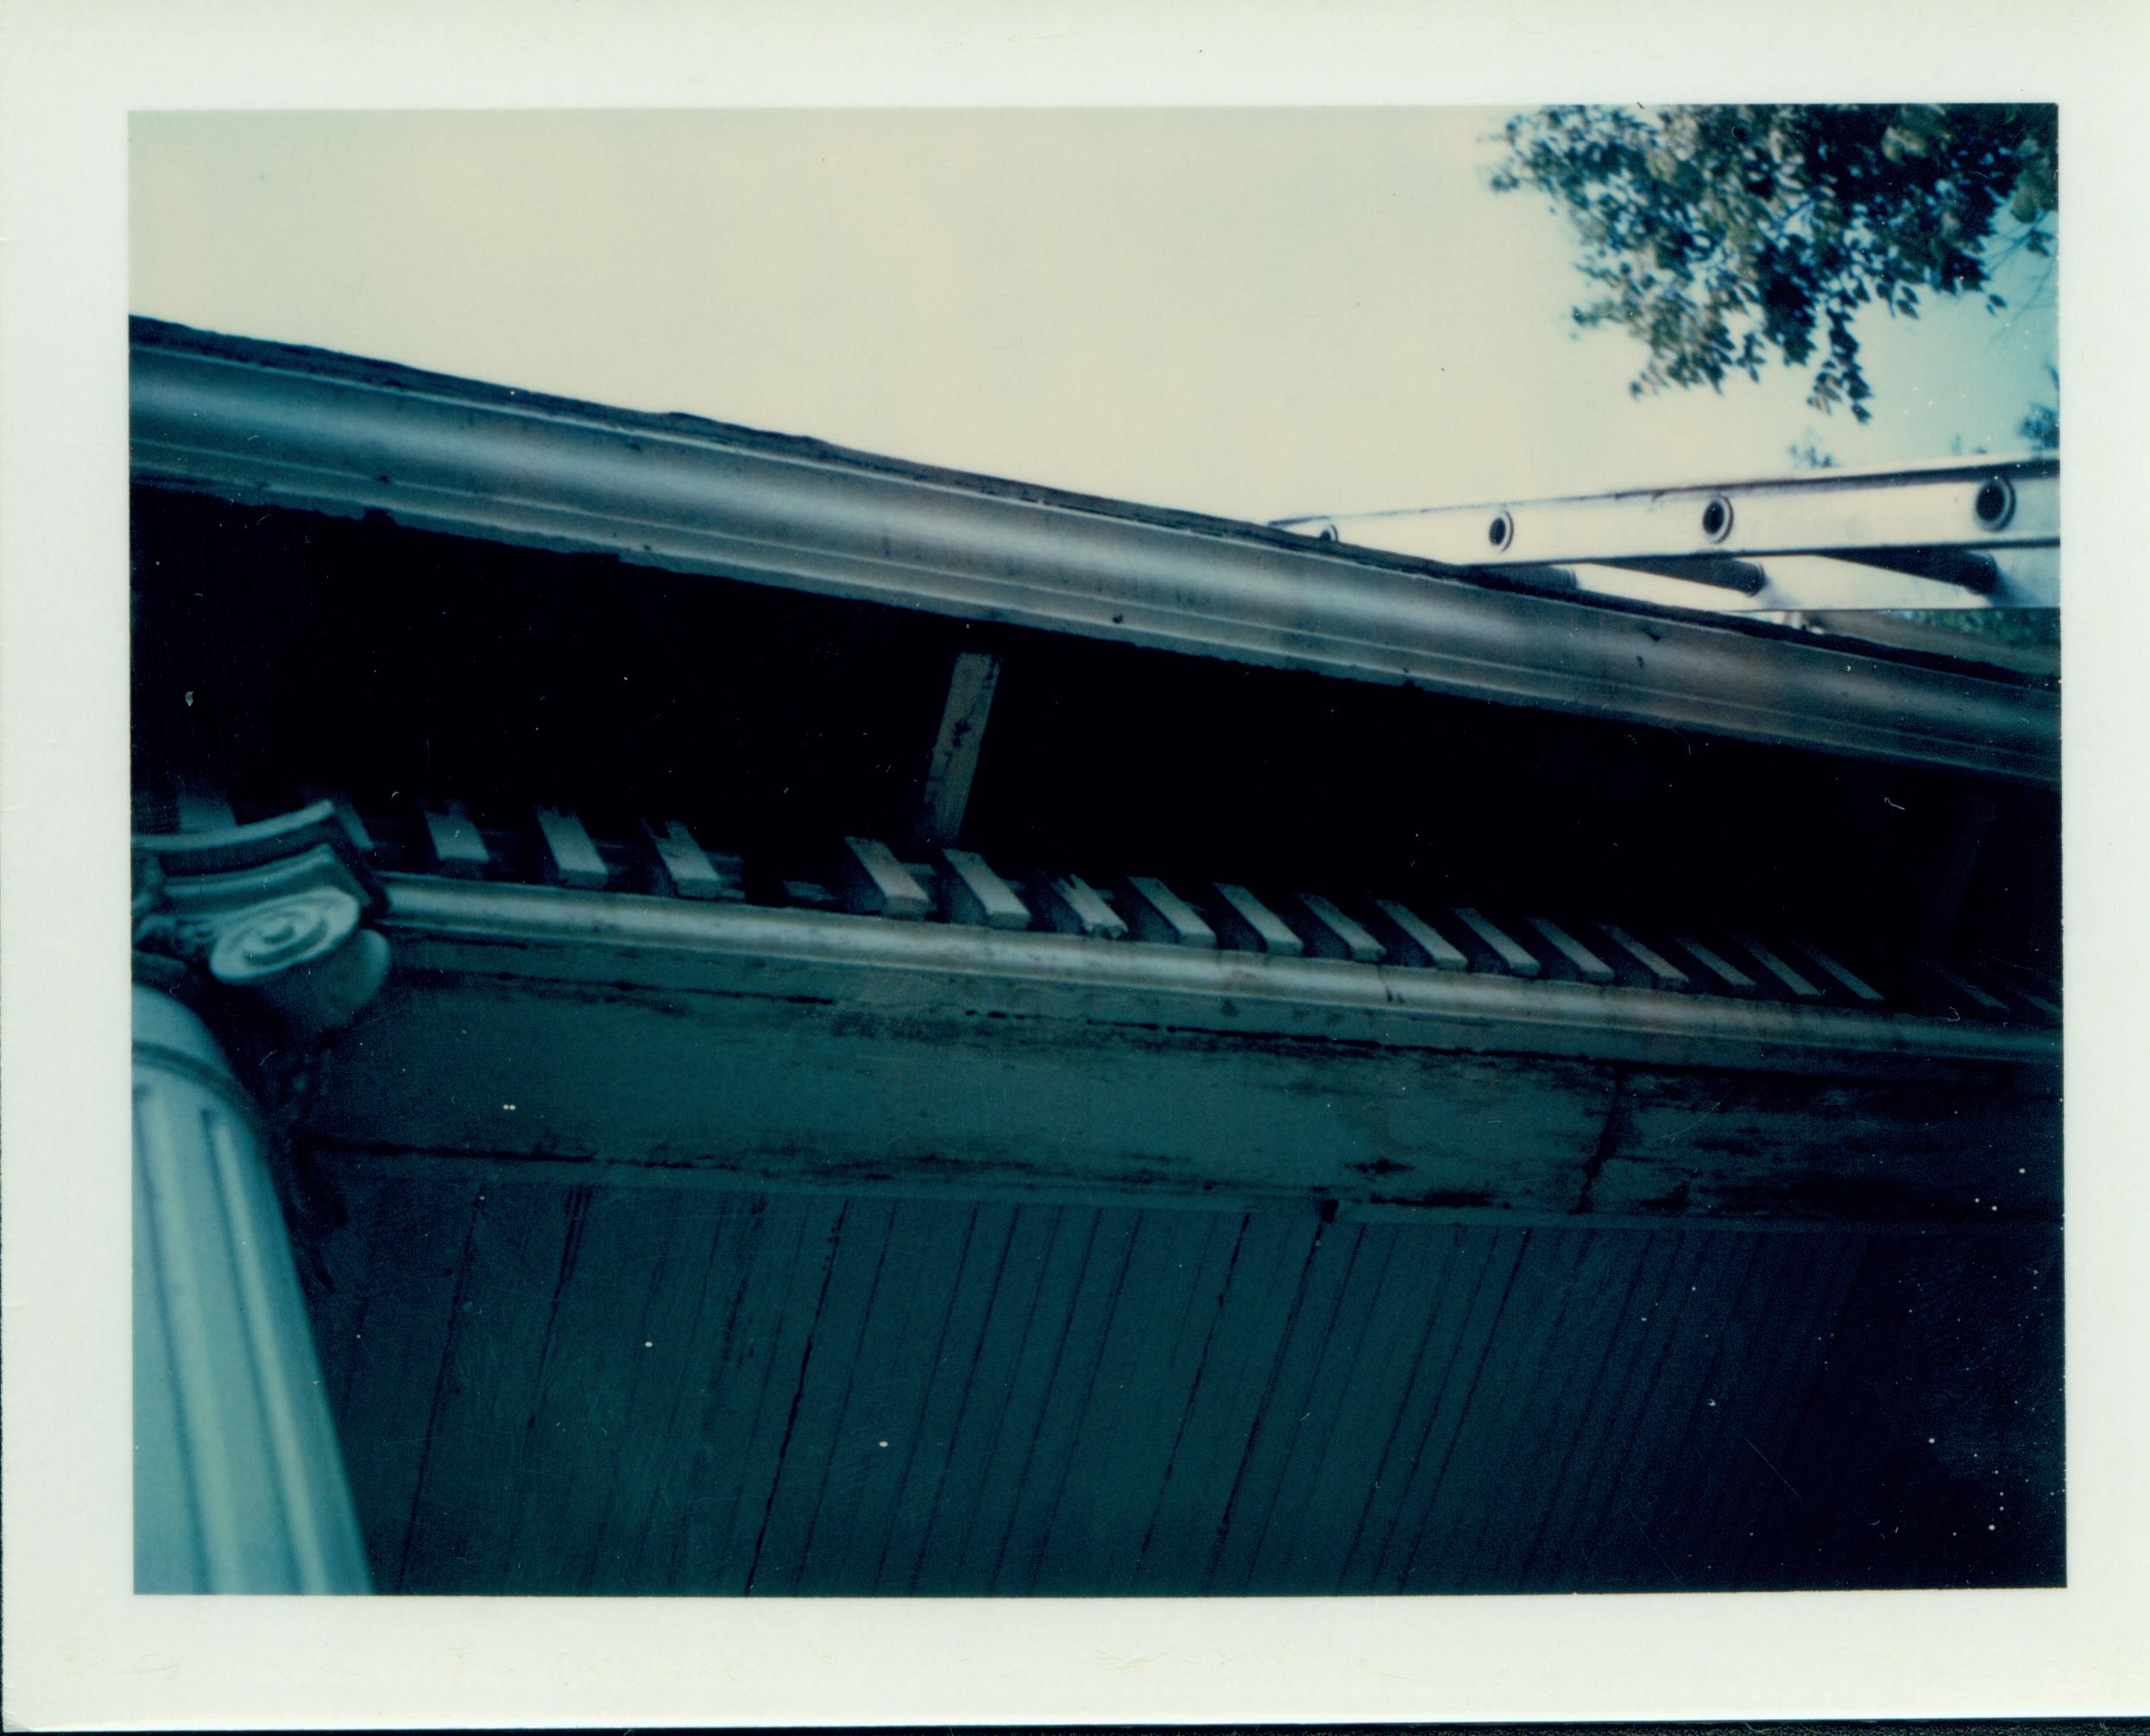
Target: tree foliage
[(1719, 235), (2040, 425)]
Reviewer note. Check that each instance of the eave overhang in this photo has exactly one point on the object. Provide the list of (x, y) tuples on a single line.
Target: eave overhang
[(589, 1037), (296, 428), (637, 944)]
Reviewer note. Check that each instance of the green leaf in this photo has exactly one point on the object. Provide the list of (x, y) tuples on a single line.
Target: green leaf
[(1728, 236)]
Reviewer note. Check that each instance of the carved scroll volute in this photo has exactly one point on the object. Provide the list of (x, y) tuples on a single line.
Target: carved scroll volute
[(277, 908), (306, 956)]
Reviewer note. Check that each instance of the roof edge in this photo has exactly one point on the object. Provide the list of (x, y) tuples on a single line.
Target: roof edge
[(313, 429)]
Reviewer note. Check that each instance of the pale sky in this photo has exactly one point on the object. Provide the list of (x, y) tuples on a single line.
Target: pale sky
[(1252, 313)]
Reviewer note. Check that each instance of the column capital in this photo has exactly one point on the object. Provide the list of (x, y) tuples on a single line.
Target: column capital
[(277, 908)]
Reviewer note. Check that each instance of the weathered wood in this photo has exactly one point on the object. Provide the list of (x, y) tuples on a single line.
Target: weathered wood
[(1072, 1291), (605, 1483), (876, 1440), (1459, 1328), (979, 1298), (1329, 933), (1415, 939), (1686, 1144), (1967, 843), (2032, 990), (1261, 1297), (1964, 985), (875, 884), (1108, 1406), (783, 1093), (347, 817), (570, 859), (1512, 957), (1069, 905), (976, 895), (626, 945), (400, 1253), (203, 807), (792, 1085), (1337, 1460), (1588, 965), (1029, 1290), (1245, 922), (945, 794), (683, 868), (1729, 975), (1155, 912), (1046, 1461), (2049, 1007), (1784, 972), (1859, 987), (490, 1381), (453, 839), (742, 1408), (1175, 1283), (1664, 974)]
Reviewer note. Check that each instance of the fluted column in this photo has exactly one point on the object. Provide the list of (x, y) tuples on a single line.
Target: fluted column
[(239, 1481)]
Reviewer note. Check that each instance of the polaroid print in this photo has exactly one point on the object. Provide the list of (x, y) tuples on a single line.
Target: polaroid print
[(1096, 854)]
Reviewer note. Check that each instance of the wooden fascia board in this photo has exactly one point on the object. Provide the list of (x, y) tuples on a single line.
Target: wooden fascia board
[(648, 942), (609, 1035)]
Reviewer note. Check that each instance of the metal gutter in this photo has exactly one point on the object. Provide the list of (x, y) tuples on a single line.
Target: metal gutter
[(632, 943), (261, 422)]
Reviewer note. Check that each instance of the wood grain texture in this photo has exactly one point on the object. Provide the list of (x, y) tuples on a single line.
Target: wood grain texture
[(784, 1092), (592, 1390)]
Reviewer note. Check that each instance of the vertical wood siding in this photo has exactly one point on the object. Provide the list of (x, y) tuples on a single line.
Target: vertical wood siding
[(591, 1390)]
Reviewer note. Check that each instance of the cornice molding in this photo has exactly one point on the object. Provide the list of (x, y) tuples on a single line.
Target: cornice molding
[(635, 945)]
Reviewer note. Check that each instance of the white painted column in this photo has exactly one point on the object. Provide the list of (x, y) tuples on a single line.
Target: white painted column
[(239, 1483)]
